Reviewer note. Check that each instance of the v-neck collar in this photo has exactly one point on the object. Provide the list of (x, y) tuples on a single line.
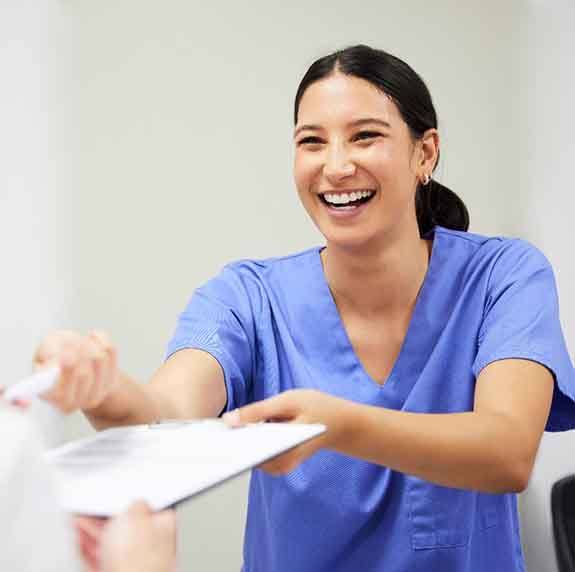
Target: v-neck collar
[(410, 360)]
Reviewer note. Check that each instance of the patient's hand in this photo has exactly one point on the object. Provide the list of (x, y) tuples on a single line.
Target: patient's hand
[(89, 533), (88, 368), (138, 539)]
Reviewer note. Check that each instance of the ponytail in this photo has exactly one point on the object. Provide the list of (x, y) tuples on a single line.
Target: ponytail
[(435, 204)]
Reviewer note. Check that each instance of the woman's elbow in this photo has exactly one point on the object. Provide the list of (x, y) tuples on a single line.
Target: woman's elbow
[(516, 459), (516, 476), (508, 475)]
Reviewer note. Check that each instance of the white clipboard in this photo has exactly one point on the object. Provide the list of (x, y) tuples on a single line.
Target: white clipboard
[(163, 464)]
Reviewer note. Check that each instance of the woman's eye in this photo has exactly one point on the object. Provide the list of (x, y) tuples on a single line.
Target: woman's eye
[(310, 141), (366, 135)]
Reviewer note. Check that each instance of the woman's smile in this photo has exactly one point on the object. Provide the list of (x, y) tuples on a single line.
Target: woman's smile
[(346, 204)]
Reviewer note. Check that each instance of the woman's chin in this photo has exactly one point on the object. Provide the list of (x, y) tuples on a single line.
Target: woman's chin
[(351, 239)]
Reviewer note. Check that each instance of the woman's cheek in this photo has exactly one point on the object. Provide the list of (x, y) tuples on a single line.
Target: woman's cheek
[(307, 167)]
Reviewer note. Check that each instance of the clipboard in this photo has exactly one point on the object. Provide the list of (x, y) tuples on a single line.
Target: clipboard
[(164, 464)]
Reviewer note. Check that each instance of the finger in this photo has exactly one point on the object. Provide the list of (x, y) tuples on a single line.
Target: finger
[(279, 407), (139, 508), (90, 522), (93, 393), (281, 465), (166, 519), (47, 351), (102, 340), (97, 361), (86, 539), (50, 348), (88, 532), (165, 524), (104, 364), (90, 555), (76, 377), (58, 395), (287, 462), (83, 381), (90, 526), (275, 467)]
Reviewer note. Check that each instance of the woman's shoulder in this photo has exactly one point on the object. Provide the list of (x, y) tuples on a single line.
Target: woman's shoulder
[(257, 277), (501, 251), (267, 268)]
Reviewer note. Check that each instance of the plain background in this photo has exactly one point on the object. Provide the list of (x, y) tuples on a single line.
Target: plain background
[(145, 144)]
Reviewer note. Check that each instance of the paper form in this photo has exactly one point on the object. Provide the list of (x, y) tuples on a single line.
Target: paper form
[(163, 464)]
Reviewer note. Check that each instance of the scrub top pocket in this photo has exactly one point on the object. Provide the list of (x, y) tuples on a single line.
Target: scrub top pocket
[(442, 517)]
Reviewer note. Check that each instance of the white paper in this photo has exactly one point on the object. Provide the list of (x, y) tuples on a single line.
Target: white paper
[(163, 464)]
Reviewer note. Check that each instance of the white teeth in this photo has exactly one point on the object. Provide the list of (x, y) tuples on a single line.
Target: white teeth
[(344, 198)]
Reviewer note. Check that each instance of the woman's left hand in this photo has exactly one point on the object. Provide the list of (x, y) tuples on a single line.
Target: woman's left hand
[(297, 406)]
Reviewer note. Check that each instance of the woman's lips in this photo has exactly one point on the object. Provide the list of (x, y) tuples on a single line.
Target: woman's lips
[(345, 212)]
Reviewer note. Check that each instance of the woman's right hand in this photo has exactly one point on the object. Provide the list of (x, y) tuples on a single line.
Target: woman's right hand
[(88, 368)]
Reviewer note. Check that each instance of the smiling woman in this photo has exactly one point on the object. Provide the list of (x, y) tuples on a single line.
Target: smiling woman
[(396, 130), (434, 357)]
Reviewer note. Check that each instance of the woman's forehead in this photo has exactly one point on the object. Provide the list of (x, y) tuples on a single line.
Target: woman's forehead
[(342, 98)]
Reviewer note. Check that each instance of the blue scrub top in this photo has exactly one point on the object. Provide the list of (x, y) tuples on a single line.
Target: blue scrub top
[(273, 326)]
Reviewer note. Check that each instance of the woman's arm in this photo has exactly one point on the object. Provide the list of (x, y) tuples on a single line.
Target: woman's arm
[(189, 384), (491, 449)]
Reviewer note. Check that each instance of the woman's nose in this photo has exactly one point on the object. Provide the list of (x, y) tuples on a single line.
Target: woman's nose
[(338, 166)]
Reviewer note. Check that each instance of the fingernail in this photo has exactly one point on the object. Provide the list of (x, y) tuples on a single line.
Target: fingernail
[(232, 418)]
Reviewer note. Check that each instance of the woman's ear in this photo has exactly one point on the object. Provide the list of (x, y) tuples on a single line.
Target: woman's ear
[(429, 151)]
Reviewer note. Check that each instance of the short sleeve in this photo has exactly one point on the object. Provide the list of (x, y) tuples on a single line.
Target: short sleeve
[(219, 319), (521, 320)]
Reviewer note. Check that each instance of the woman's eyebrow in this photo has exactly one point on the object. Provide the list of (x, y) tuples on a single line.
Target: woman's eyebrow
[(356, 123), (306, 127), (366, 120)]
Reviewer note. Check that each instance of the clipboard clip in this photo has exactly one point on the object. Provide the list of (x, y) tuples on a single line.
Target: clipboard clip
[(181, 423)]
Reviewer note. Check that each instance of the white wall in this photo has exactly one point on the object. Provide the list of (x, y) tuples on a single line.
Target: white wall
[(546, 200), (178, 120), (35, 180), (185, 156), (36, 276), (184, 162)]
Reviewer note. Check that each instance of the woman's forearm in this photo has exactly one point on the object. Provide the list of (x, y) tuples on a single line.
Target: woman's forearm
[(189, 385), (480, 451), (131, 403)]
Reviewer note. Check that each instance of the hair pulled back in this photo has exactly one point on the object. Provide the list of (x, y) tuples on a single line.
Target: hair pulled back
[(435, 204)]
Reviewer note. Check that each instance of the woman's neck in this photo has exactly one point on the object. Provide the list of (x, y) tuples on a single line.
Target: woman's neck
[(378, 282)]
